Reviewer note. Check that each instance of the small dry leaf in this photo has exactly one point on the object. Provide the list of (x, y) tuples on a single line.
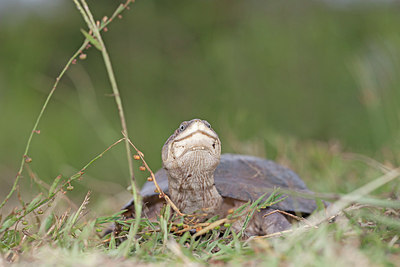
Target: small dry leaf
[(142, 168), (137, 157)]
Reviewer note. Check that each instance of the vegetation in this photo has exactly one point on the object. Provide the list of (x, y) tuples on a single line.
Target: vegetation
[(360, 228)]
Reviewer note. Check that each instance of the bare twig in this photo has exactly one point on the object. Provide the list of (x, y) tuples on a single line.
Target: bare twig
[(274, 234), (153, 177), (300, 219)]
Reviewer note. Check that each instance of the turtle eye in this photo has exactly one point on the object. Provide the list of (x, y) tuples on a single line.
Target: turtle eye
[(182, 127), (207, 124)]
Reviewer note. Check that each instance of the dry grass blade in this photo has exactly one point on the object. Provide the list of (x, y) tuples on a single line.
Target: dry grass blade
[(371, 162), (300, 219), (212, 226), (33, 205), (82, 207), (275, 234), (346, 200), (176, 249)]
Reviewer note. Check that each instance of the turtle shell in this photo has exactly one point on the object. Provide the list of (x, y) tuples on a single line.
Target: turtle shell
[(247, 178)]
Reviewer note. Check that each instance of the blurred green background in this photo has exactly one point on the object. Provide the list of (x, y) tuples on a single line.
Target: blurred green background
[(302, 70)]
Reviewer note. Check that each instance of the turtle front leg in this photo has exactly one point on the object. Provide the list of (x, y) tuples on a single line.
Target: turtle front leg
[(270, 222), (265, 222)]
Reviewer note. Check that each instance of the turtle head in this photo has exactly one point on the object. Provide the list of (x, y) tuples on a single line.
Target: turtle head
[(193, 148)]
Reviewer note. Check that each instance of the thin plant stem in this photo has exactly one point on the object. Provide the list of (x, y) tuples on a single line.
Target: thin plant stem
[(34, 130), (88, 17), (153, 178), (49, 96), (68, 181)]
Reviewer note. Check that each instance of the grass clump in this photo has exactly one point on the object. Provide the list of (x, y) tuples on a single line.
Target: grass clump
[(360, 232)]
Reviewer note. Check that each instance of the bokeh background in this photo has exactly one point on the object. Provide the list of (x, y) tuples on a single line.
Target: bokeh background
[(259, 71)]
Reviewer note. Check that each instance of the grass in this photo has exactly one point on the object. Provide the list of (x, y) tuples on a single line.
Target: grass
[(357, 234), (360, 228)]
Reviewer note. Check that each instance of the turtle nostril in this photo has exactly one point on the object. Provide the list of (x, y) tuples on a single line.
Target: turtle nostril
[(213, 145)]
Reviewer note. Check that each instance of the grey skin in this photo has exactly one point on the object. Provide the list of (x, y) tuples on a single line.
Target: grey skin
[(199, 179)]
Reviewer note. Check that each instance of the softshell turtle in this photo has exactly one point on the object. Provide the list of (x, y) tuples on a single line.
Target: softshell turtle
[(198, 178)]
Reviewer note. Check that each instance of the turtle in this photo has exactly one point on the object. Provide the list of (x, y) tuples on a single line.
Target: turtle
[(197, 177)]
